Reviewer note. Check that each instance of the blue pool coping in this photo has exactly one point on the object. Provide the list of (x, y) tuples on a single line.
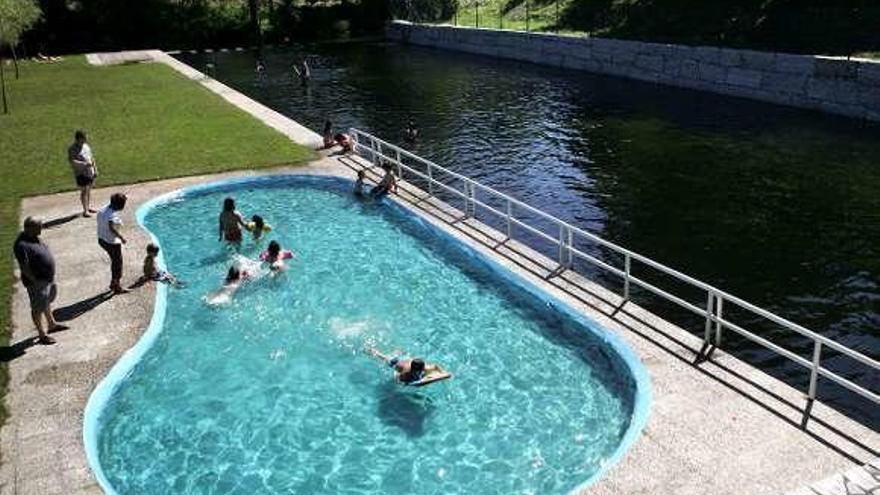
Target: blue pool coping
[(100, 397)]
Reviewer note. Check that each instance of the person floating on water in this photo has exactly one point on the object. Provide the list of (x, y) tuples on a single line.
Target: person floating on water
[(303, 72), (231, 284), (153, 273), (231, 222), (275, 256), (258, 227), (387, 185), (411, 133), (412, 371)]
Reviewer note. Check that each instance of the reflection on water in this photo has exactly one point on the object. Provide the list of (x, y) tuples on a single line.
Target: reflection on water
[(778, 206)]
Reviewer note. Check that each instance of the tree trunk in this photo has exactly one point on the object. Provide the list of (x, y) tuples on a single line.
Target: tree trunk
[(14, 60), (254, 7), (3, 86)]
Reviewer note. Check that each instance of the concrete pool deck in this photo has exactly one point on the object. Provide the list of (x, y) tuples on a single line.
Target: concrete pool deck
[(720, 427)]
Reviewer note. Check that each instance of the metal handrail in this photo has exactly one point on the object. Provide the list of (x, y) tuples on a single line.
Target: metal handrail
[(380, 151)]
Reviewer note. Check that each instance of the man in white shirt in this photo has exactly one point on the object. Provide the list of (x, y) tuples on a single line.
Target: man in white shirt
[(111, 240), (79, 154)]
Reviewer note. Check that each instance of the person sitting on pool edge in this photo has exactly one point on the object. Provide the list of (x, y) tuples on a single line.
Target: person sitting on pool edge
[(152, 272), (345, 141), (231, 222), (386, 185), (408, 371)]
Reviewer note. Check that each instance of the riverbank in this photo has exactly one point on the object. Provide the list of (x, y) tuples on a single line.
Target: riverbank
[(829, 84), (144, 121)]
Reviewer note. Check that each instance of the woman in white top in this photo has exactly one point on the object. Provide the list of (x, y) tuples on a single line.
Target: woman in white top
[(111, 240)]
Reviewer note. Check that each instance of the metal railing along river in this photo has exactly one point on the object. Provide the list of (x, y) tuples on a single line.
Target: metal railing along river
[(405, 163)]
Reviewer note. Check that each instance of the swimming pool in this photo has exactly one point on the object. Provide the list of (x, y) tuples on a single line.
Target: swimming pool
[(274, 394)]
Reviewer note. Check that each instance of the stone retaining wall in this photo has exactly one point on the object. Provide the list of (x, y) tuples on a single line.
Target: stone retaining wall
[(836, 85)]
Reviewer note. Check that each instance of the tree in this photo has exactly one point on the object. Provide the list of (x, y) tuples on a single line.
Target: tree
[(16, 17)]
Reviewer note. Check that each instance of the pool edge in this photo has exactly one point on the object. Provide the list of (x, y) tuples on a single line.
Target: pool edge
[(100, 396)]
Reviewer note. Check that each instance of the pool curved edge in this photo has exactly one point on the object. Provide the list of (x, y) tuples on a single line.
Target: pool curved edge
[(105, 389)]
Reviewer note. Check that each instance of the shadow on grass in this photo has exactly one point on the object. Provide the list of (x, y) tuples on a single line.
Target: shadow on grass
[(80, 308)]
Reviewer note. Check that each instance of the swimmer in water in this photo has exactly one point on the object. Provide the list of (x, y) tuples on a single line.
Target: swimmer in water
[(359, 184), (411, 132), (409, 371), (275, 256), (231, 222), (258, 227), (231, 284), (304, 73)]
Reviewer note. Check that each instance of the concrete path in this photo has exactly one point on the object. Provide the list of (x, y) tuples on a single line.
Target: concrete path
[(862, 480)]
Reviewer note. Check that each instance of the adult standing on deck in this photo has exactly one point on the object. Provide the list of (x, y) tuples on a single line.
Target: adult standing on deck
[(37, 267), (81, 159), (111, 240)]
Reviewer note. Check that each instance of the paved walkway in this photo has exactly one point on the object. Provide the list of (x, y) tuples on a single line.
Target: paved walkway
[(719, 427), (861, 480)]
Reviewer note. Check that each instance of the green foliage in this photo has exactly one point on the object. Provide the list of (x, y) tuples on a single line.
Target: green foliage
[(835, 27), (144, 121), (16, 17)]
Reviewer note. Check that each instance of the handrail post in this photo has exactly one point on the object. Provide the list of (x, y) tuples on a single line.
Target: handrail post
[(626, 271), (430, 180), (570, 260), (814, 371), (718, 326), (710, 303), (563, 249), (399, 168), (509, 218)]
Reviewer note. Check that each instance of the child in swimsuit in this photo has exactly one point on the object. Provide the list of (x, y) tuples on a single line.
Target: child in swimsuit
[(258, 226), (359, 184), (275, 256), (152, 273), (387, 185)]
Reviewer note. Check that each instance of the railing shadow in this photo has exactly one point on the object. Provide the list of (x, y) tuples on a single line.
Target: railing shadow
[(699, 357)]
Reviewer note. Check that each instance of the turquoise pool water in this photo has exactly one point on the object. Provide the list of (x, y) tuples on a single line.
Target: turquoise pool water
[(273, 394)]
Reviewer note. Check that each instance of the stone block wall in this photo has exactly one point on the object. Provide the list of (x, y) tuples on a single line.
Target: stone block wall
[(836, 85)]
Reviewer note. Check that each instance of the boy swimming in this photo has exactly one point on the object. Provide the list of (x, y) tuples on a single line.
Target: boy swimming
[(411, 371)]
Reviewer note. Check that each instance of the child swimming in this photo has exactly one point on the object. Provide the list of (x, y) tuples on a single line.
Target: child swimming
[(258, 227), (275, 256), (152, 272), (413, 371), (232, 282)]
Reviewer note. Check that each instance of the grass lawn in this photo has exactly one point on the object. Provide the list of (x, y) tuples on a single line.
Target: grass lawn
[(144, 122)]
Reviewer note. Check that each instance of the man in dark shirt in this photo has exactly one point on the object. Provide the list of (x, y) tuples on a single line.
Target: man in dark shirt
[(38, 276)]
